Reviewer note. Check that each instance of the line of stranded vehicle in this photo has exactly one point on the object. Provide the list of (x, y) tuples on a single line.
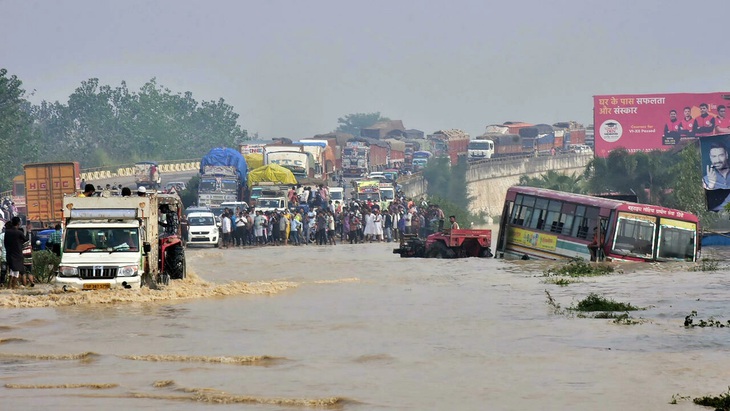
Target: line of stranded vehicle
[(545, 224)]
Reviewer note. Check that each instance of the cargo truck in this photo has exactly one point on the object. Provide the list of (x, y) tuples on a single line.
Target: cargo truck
[(121, 242), (46, 184)]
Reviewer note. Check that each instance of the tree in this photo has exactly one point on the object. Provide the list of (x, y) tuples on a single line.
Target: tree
[(353, 123), (688, 193), (553, 180), (17, 135), (107, 126)]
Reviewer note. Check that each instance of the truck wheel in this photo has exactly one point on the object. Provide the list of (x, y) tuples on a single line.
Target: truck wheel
[(485, 253), (175, 262)]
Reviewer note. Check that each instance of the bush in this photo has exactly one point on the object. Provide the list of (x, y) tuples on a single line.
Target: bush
[(595, 302), (578, 267), (45, 264)]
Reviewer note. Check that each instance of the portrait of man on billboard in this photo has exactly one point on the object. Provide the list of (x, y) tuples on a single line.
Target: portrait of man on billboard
[(716, 170)]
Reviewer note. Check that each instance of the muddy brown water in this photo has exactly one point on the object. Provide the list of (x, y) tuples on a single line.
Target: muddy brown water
[(355, 327)]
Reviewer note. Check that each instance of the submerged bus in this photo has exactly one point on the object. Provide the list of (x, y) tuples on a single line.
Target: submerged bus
[(544, 224)]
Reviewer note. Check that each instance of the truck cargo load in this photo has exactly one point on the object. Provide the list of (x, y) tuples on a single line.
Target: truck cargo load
[(46, 184)]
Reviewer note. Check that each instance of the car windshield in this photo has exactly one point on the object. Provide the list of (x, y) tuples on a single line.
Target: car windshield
[(200, 221), (101, 239)]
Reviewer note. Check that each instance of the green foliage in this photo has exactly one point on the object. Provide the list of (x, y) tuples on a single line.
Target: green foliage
[(719, 403), (189, 196), (578, 267), (447, 188), (561, 281), (553, 180), (688, 193), (19, 139), (710, 322), (354, 123), (102, 125), (707, 264), (45, 264), (594, 302)]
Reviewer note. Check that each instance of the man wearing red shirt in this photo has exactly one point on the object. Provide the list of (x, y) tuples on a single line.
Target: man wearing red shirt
[(687, 124), (704, 125), (672, 128), (722, 123)]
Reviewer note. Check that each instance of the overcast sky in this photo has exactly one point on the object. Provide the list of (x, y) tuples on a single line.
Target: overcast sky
[(291, 68)]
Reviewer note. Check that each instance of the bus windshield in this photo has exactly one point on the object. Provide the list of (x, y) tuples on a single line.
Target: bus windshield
[(676, 240), (634, 235)]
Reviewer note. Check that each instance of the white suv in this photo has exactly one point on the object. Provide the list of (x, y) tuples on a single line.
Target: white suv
[(202, 228)]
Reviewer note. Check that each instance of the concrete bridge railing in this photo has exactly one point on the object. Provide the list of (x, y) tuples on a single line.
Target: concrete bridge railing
[(128, 170)]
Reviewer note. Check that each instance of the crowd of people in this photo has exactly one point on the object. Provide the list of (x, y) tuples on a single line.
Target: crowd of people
[(325, 222)]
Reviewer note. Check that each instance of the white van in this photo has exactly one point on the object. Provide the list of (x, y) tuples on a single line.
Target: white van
[(202, 228), (337, 194)]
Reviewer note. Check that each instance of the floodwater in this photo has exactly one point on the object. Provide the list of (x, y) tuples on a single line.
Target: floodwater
[(355, 327)]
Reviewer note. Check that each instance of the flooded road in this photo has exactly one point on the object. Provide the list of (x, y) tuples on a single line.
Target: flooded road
[(355, 327)]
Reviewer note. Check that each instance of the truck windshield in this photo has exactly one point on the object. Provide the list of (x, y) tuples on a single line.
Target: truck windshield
[(207, 184), (479, 145), (79, 240), (268, 202)]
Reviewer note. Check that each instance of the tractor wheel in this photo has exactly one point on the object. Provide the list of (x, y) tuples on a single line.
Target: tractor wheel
[(485, 253), (439, 250), (175, 262)]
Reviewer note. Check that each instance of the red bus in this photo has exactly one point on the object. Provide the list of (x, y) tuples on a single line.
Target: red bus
[(544, 224)]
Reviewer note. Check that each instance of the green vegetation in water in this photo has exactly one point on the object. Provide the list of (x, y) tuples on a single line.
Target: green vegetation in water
[(677, 397), (561, 281), (710, 322), (578, 267), (606, 308), (594, 302), (707, 264), (45, 264), (719, 403)]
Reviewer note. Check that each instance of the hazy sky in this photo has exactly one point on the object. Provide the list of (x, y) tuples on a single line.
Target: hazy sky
[(291, 68)]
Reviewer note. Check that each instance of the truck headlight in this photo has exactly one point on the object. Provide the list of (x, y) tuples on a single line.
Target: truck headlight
[(68, 271), (128, 271)]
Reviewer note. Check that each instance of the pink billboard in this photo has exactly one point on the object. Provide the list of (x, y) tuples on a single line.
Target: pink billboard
[(645, 122)]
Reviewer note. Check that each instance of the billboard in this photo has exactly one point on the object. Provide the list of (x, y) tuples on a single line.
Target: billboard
[(645, 122), (716, 170)]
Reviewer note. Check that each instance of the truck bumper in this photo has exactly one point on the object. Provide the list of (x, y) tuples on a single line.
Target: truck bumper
[(120, 282)]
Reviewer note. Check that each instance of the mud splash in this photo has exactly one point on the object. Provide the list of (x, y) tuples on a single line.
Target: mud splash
[(237, 360), (191, 288)]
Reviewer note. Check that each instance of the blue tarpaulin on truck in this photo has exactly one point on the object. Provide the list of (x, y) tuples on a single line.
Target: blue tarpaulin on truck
[(223, 156)]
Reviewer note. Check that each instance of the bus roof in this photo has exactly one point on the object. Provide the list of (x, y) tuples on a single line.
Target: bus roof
[(602, 202)]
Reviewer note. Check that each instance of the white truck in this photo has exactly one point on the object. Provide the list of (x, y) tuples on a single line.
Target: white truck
[(121, 242)]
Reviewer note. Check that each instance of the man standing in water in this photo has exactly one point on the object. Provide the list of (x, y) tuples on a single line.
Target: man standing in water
[(13, 243)]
